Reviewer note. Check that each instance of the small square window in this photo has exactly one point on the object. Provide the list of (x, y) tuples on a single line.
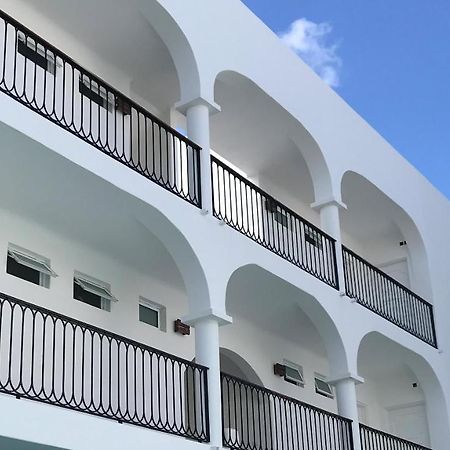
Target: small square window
[(90, 89), (293, 373), (279, 215), (152, 313), (92, 291), (37, 53), (322, 387), (313, 237), (29, 266)]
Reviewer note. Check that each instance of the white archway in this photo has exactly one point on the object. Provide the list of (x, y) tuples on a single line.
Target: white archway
[(399, 380)]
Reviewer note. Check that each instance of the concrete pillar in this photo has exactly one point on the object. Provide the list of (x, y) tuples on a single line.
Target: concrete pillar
[(207, 353), (198, 113), (347, 403), (329, 211)]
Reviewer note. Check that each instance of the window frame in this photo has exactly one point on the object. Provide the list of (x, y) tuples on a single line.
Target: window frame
[(95, 92), (96, 287), (34, 261), (39, 50), (279, 215), (159, 309), (296, 367), (314, 238), (320, 391)]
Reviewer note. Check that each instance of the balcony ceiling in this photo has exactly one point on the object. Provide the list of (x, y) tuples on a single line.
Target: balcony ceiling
[(91, 212), (118, 35), (254, 133), (370, 214), (380, 359), (274, 306)]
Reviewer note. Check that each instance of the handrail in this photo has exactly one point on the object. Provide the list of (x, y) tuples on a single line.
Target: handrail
[(257, 418), (51, 358), (373, 439), (382, 294), (258, 215)]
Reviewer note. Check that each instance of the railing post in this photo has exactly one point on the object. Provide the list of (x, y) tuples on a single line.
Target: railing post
[(207, 353), (347, 403), (331, 224), (197, 113)]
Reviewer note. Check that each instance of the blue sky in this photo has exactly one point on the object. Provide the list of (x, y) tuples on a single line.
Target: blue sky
[(389, 59)]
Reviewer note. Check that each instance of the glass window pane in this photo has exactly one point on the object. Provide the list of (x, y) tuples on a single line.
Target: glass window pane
[(86, 297), (21, 271), (293, 374), (149, 316)]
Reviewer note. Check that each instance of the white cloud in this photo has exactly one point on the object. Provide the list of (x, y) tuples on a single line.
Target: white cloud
[(309, 41)]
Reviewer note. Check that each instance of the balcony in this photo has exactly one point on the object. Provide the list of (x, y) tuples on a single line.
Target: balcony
[(388, 298), (50, 83), (259, 419), (257, 215), (372, 439), (47, 81), (50, 358)]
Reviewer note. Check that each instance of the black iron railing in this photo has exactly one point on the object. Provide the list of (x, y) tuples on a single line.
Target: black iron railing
[(372, 439), (52, 84), (257, 215), (385, 296), (54, 359), (255, 418)]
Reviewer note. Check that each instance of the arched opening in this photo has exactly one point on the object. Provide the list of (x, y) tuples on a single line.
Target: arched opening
[(381, 231), (385, 262), (267, 145), (100, 231), (238, 399), (401, 394), (293, 346), (233, 364), (119, 45)]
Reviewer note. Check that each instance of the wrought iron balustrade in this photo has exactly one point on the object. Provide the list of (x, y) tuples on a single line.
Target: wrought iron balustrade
[(255, 418), (372, 439), (388, 298), (44, 79), (54, 359), (251, 211)]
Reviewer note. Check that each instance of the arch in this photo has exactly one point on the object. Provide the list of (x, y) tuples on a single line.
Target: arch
[(178, 45), (360, 194), (378, 355), (238, 366), (184, 256), (251, 277), (290, 129)]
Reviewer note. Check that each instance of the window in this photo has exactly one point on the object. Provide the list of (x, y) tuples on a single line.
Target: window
[(29, 266), (35, 52), (92, 291), (152, 313), (90, 89), (293, 373), (280, 216), (322, 387), (313, 237)]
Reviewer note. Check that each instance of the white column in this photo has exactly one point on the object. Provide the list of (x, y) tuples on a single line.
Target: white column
[(207, 353), (197, 113), (207, 348), (329, 211), (347, 402)]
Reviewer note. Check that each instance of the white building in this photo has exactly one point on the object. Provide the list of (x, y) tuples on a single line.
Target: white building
[(114, 225)]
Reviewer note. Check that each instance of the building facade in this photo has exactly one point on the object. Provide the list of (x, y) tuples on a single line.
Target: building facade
[(203, 245)]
